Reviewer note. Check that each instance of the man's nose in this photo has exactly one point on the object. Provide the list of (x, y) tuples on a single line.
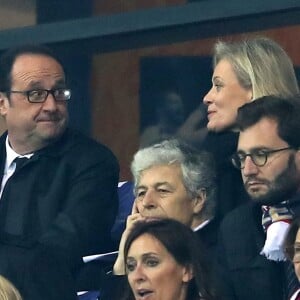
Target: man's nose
[(249, 167), (50, 103), (149, 199)]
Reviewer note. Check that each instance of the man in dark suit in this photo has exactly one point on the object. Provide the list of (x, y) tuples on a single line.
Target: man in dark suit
[(171, 180), (59, 188), (250, 256)]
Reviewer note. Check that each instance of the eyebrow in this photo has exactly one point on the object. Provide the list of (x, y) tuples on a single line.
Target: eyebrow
[(217, 78), (150, 254), (145, 255), (157, 184), (258, 148)]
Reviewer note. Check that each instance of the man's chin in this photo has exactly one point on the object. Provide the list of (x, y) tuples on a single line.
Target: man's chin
[(49, 138), (253, 194), (150, 216), (52, 132), (264, 199)]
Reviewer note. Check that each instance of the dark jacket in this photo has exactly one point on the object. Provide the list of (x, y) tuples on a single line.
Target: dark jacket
[(208, 235), (57, 208), (231, 192), (244, 274)]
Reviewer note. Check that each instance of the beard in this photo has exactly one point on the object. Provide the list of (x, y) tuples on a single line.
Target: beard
[(284, 185)]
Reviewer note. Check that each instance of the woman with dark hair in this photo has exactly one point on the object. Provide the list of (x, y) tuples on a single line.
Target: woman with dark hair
[(292, 250), (165, 261), (292, 243)]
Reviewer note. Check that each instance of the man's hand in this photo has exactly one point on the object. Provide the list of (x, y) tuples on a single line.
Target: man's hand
[(119, 266)]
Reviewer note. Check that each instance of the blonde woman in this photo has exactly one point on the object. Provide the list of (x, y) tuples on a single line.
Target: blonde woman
[(243, 71), (8, 291)]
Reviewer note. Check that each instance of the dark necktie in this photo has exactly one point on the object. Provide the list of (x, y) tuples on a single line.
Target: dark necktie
[(20, 161), (292, 283), (12, 226)]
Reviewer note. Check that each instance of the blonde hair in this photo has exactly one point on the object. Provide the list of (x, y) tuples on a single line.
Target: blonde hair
[(8, 291), (261, 65)]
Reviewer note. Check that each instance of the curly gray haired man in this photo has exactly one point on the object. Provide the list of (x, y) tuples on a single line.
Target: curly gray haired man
[(173, 180)]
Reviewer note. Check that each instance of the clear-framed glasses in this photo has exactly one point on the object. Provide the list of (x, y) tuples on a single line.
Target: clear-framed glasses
[(259, 157), (40, 95)]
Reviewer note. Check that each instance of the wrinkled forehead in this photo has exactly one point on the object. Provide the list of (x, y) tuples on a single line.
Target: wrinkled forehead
[(32, 70), (33, 62), (162, 172)]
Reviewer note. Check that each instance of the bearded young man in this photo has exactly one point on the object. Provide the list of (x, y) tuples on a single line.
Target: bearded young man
[(250, 256)]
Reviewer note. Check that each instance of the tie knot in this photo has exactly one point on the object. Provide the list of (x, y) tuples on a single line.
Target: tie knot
[(20, 161)]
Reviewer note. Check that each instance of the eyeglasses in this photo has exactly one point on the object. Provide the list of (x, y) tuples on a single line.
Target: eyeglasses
[(39, 96), (259, 157)]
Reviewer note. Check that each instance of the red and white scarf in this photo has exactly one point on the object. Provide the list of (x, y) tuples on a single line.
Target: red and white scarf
[(275, 221)]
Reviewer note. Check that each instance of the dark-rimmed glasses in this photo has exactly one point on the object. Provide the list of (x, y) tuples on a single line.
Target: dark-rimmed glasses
[(259, 157), (40, 95)]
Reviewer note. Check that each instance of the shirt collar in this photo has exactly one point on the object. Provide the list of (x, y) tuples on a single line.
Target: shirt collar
[(201, 225), (11, 154)]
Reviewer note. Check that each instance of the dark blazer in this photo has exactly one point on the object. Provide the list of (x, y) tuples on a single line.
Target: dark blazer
[(57, 208), (244, 274), (208, 235), (231, 192)]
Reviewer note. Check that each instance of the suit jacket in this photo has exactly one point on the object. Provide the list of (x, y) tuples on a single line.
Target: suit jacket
[(244, 273), (231, 192), (59, 206), (208, 235)]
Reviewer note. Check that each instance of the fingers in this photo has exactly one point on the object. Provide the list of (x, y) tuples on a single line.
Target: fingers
[(132, 219), (134, 208)]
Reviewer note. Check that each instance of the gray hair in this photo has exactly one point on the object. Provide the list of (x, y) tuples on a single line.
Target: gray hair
[(260, 64), (198, 168)]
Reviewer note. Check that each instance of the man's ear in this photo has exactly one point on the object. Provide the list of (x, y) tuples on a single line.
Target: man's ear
[(4, 104), (187, 274), (199, 201), (297, 159)]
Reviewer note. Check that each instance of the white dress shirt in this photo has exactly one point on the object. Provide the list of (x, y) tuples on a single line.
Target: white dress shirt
[(10, 165)]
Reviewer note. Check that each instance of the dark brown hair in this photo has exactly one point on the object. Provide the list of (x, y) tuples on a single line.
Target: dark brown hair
[(185, 247)]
